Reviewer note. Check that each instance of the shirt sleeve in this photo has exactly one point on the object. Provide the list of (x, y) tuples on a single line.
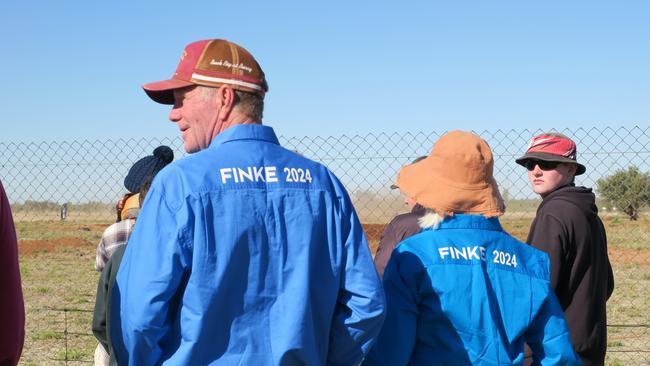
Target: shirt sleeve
[(359, 313), (610, 280), (99, 313), (548, 336), (610, 273), (388, 242), (102, 257), (148, 280), (397, 338), (548, 235), (12, 308)]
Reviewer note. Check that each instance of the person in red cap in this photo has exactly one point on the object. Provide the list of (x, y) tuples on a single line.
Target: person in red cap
[(568, 228), (244, 252), (12, 307)]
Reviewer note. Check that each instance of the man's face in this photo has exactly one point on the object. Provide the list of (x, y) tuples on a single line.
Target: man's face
[(196, 115), (546, 177)]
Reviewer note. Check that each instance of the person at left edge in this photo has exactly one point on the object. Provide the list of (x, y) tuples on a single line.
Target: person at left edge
[(244, 253), (12, 306)]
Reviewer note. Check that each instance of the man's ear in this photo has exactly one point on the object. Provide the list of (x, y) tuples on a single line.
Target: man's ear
[(225, 101)]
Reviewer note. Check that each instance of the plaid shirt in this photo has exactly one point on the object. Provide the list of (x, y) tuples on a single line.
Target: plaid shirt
[(113, 237)]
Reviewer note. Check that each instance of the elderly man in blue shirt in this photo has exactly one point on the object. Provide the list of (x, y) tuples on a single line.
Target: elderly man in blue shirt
[(245, 253)]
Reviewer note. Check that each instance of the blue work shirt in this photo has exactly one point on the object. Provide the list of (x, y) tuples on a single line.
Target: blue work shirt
[(246, 253), (467, 293)]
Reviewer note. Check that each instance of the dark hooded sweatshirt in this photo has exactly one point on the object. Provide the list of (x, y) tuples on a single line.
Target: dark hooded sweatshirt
[(12, 308), (568, 228)]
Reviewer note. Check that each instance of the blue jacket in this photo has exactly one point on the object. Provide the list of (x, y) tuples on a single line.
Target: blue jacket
[(246, 254), (467, 293)]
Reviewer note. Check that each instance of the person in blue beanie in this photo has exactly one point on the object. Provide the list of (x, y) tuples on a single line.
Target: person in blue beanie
[(245, 253), (463, 291), (117, 234), (115, 237)]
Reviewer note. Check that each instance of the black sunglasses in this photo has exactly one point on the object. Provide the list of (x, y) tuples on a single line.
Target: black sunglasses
[(544, 165)]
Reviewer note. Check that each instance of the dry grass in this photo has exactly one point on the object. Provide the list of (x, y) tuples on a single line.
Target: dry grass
[(59, 284), (57, 272), (628, 313)]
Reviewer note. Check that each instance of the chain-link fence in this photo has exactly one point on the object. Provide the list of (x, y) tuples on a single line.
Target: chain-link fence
[(59, 336), (86, 178)]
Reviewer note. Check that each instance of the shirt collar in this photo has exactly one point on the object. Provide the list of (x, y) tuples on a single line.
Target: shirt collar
[(464, 221), (245, 132)]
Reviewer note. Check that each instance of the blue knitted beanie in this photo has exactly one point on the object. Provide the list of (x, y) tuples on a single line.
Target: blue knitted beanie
[(146, 167)]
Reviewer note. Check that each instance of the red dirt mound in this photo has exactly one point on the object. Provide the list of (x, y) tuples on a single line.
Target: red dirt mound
[(30, 247)]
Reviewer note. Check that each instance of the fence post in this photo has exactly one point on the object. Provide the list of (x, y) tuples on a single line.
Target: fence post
[(65, 332), (64, 211)]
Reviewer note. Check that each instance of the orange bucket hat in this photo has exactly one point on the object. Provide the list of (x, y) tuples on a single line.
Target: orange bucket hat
[(455, 178)]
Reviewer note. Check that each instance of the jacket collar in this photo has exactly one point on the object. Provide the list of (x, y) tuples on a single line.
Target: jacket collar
[(245, 132), (464, 221), (418, 209)]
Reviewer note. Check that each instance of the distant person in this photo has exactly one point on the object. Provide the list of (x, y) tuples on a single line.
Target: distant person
[(463, 291), (400, 227), (128, 207), (12, 308), (101, 313), (568, 228), (245, 253), (117, 235), (64, 211)]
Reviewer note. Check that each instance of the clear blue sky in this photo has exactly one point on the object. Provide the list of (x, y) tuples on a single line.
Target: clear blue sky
[(72, 69)]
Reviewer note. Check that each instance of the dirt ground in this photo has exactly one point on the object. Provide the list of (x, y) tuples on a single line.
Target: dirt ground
[(373, 233), (50, 237), (31, 247), (616, 255)]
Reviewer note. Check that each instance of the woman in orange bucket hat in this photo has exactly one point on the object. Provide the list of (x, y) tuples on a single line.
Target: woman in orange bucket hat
[(463, 291)]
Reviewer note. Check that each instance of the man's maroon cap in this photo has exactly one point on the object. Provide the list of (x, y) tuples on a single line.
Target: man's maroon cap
[(552, 147), (213, 63)]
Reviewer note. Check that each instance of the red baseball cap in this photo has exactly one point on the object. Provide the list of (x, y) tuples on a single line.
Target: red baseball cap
[(213, 63), (552, 147)]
